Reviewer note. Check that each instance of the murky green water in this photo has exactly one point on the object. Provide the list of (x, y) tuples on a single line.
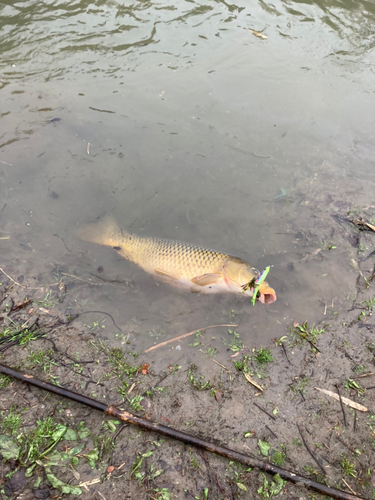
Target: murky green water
[(185, 124)]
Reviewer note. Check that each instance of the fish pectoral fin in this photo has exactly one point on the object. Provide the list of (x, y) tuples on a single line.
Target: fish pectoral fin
[(206, 279), (164, 274)]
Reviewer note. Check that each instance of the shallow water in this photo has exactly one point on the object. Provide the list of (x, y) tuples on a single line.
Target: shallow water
[(184, 124)]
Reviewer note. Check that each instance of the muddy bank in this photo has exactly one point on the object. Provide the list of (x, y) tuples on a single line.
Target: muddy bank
[(53, 447), (200, 384)]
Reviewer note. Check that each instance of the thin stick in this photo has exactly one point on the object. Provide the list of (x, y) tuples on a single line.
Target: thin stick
[(265, 411), (162, 344), (342, 406), (181, 436), (363, 375), (346, 484), (225, 368), (310, 451), (11, 279), (271, 431), (26, 287), (217, 479), (304, 337), (286, 355), (346, 445), (91, 282), (21, 306)]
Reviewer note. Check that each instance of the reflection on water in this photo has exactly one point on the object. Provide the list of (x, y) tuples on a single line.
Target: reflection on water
[(185, 125), (53, 39)]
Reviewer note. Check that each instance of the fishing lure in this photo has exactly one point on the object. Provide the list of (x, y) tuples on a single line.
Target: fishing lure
[(258, 282)]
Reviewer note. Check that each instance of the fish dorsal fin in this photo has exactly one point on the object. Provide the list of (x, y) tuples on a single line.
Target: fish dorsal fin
[(206, 279)]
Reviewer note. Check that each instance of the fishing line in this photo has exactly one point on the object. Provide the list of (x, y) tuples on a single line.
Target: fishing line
[(303, 259)]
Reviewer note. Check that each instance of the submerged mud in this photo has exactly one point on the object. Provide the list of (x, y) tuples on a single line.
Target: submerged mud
[(287, 422)]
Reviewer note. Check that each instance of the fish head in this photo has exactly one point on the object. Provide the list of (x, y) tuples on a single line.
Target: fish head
[(242, 277)]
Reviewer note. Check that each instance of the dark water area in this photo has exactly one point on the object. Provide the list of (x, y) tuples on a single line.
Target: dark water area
[(184, 123)]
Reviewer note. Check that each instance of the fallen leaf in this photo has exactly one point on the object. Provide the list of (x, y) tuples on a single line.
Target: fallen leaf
[(144, 369), (65, 488), (346, 401), (131, 388), (15, 483), (110, 469), (259, 35), (313, 254), (218, 396), (251, 381), (264, 447), (75, 473), (295, 324)]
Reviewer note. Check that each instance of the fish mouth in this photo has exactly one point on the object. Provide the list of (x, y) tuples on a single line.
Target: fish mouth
[(267, 295)]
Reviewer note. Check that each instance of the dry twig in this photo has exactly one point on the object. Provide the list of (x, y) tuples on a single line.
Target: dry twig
[(162, 344), (342, 406), (181, 436), (310, 451), (346, 484), (265, 411)]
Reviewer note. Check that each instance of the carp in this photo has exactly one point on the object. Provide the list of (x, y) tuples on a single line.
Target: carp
[(182, 264)]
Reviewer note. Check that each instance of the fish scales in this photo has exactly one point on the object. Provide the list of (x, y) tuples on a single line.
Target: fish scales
[(172, 256)]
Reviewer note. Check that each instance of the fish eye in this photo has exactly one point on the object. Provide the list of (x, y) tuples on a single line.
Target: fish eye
[(256, 272)]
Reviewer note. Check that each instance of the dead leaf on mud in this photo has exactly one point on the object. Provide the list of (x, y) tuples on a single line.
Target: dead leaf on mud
[(251, 381), (313, 254), (218, 396), (346, 401), (76, 474), (144, 369), (131, 388), (15, 483), (363, 224), (259, 35)]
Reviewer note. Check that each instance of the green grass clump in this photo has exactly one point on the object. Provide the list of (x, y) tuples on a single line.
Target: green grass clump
[(263, 356), (11, 422)]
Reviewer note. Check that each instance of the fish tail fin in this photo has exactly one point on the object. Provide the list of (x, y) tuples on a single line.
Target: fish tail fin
[(104, 232)]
